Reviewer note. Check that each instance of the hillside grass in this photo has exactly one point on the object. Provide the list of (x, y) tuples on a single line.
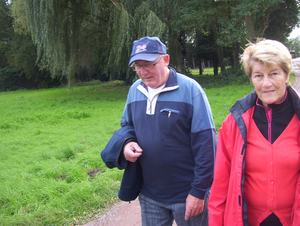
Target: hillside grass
[(51, 172)]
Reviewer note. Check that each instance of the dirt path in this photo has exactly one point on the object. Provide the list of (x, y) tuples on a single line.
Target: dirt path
[(129, 214), (121, 213)]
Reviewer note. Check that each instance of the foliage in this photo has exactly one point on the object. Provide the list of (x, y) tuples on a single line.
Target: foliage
[(232, 23), (5, 31), (72, 35), (11, 80), (294, 46), (22, 57), (282, 22), (63, 31), (18, 57), (92, 39), (231, 76), (23, 48)]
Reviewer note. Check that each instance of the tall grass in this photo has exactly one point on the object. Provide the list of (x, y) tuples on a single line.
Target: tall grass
[(49, 154), (51, 172)]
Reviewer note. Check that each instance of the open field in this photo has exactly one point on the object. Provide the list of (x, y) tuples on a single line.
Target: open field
[(207, 71), (51, 172)]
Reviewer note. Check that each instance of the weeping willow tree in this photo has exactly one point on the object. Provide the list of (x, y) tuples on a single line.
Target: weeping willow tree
[(133, 19), (73, 34), (148, 18), (128, 25), (67, 33)]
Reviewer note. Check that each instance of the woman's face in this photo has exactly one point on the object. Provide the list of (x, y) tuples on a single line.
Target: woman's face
[(269, 83)]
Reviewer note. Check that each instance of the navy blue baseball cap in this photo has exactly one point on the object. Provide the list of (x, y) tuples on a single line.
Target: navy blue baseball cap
[(147, 48)]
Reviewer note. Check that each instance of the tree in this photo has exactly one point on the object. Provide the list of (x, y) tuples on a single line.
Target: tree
[(17, 57), (70, 34), (282, 20), (22, 57), (95, 36), (234, 22), (294, 46), (152, 18), (64, 31), (6, 32)]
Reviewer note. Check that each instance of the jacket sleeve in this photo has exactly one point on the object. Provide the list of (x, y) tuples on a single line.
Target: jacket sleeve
[(218, 195), (296, 207), (112, 155), (203, 144)]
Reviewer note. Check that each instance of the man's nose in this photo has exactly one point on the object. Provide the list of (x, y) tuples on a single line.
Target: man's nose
[(143, 71)]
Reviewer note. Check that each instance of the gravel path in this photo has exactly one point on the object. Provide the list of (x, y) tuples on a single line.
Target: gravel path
[(129, 214), (120, 214)]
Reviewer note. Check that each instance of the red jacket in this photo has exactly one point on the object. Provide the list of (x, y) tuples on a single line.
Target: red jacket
[(226, 203), (296, 210)]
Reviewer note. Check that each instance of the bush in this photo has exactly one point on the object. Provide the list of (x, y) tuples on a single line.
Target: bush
[(11, 80), (231, 76)]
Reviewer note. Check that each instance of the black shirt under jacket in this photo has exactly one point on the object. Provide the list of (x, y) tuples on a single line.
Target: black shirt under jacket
[(282, 114)]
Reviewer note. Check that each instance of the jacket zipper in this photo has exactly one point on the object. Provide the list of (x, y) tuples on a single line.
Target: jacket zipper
[(150, 106), (269, 118), (150, 101)]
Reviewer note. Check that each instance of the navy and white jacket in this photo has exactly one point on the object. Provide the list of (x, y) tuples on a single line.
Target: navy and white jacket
[(177, 134)]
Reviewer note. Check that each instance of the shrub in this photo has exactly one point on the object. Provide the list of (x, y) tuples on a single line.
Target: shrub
[(231, 76)]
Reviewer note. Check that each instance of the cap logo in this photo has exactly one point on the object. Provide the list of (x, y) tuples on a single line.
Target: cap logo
[(140, 48)]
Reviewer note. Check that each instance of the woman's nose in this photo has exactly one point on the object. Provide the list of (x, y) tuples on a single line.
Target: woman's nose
[(266, 81)]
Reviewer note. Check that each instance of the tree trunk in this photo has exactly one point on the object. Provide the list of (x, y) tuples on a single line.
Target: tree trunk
[(219, 48), (250, 27), (216, 70), (200, 67), (235, 54)]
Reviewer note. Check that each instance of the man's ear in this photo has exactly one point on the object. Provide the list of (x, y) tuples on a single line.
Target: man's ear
[(166, 59)]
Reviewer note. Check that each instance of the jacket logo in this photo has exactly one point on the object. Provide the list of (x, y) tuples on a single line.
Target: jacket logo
[(140, 48)]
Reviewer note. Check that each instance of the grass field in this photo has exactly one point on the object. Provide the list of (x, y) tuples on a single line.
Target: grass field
[(51, 172), (207, 71)]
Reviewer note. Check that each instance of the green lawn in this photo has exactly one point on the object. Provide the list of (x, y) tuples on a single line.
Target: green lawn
[(51, 172), (207, 71)]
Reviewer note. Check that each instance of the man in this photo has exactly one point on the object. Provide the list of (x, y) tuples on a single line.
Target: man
[(168, 139)]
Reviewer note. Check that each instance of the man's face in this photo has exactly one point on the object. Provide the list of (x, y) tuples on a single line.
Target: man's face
[(156, 72)]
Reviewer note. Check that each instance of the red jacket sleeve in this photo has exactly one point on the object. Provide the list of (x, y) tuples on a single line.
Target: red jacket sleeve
[(296, 208), (218, 195)]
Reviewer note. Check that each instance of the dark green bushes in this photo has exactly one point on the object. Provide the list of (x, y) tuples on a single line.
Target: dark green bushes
[(231, 76)]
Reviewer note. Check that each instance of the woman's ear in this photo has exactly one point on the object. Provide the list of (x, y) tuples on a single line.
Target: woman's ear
[(287, 81)]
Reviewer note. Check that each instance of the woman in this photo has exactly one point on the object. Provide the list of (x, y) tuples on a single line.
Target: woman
[(258, 161)]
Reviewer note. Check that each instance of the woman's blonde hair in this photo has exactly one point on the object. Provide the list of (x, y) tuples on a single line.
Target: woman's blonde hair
[(269, 52)]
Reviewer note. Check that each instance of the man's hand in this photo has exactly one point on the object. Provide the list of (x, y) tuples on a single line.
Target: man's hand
[(132, 151), (194, 206)]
